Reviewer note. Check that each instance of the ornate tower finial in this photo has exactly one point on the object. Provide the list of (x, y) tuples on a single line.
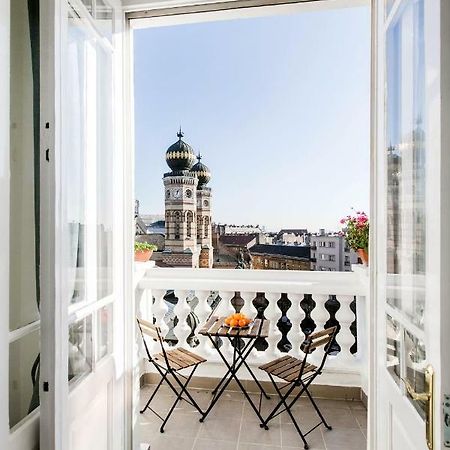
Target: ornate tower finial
[(180, 133), (199, 156)]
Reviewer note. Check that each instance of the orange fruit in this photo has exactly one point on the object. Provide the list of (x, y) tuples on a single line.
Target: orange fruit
[(243, 322), (234, 323), (227, 321)]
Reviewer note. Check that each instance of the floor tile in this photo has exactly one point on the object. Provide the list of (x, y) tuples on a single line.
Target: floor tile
[(291, 438), (252, 433), (218, 429), (340, 418), (163, 442), (211, 444), (349, 439), (247, 446), (361, 418)]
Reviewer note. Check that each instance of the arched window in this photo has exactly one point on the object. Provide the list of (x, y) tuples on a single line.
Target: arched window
[(206, 226), (189, 219), (199, 227)]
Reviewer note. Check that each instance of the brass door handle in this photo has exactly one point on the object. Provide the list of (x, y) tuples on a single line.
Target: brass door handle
[(417, 396), (426, 397)]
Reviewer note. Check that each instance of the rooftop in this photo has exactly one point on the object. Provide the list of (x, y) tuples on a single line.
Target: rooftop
[(237, 239), (293, 251)]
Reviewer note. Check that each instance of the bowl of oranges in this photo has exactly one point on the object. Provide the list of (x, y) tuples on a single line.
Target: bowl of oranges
[(238, 320)]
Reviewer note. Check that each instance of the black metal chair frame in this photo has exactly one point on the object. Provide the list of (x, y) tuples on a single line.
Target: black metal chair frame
[(302, 383), (165, 371)]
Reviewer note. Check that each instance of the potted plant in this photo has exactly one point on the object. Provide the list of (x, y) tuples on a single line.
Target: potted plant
[(143, 251), (356, 233)]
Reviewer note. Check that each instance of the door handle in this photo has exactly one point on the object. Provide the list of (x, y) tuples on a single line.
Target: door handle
[(428, 398)]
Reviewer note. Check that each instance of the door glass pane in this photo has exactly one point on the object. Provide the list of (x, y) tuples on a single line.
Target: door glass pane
[(105, 176), (393, 345), (415, 361), (80, 348), (74, 160), (104, 18), (406, 159), (23, 376)]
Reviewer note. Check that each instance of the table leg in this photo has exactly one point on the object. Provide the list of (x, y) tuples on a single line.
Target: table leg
[(232, 370), (214, 392)]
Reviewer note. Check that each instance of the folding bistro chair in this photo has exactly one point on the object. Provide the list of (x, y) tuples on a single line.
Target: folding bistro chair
[(170, 362), (297, 373)]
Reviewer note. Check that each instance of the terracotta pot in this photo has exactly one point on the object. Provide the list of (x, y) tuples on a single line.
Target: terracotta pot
[(362, 253), (143, 256)]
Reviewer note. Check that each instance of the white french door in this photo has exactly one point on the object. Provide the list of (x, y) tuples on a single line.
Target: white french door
[(412, 224), (83, 362)]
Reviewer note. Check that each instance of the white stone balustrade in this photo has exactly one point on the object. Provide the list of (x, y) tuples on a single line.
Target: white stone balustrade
[(332, 293)]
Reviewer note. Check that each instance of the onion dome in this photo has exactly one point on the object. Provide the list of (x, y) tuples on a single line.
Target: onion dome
[(201, 172), (180, 156)]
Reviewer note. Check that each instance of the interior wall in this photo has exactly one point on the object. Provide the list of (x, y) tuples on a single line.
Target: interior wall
[(23, 307), (4, 217)]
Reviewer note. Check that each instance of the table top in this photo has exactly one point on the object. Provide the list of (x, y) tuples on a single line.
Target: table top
[(215, 326)]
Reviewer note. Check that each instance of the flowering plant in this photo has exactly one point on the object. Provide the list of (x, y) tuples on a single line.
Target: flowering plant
[(356, 231)]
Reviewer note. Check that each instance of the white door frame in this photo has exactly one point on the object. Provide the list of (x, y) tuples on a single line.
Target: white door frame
[(190, 11)]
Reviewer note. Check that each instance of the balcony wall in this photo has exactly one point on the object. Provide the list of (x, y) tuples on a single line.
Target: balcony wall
[(296, 303)]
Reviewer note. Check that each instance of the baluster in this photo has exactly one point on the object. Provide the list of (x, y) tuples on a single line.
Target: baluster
[(160, 309), (248, 309), (295, 316), (203, 310), (345, 317), (224, 309), (354, 328), (284, 324), (332, 305), (181, 311), (273, 313), (319, 315), (307, 305)]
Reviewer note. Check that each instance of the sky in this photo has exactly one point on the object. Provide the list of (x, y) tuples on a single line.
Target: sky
[(277, 105)]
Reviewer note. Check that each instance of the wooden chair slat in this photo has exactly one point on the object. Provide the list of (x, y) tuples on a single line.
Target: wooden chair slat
[(280, 362), (172, 363), (181, 358), (287, 366), (319, 334), (293, 376), (192, 355), (275, 361), (319, 343)]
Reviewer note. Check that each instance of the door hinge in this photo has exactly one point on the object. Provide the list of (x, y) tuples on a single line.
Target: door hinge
[(47, 155), (446, 420), (45, 386)]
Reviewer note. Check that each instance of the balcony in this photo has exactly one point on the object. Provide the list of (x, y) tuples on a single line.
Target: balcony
[(295, 302)]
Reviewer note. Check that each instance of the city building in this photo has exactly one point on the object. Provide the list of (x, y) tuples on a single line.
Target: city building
[(188, 233), (329, 252), (228, 248), (280, 257)]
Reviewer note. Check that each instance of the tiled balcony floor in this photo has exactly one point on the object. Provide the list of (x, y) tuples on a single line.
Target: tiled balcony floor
[(232, 424)]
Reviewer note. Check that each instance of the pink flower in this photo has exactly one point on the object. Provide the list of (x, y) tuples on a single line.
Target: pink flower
[(342, 221)]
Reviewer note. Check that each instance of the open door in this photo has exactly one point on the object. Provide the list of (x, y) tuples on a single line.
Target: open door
[(412, 239), (83, 376)]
